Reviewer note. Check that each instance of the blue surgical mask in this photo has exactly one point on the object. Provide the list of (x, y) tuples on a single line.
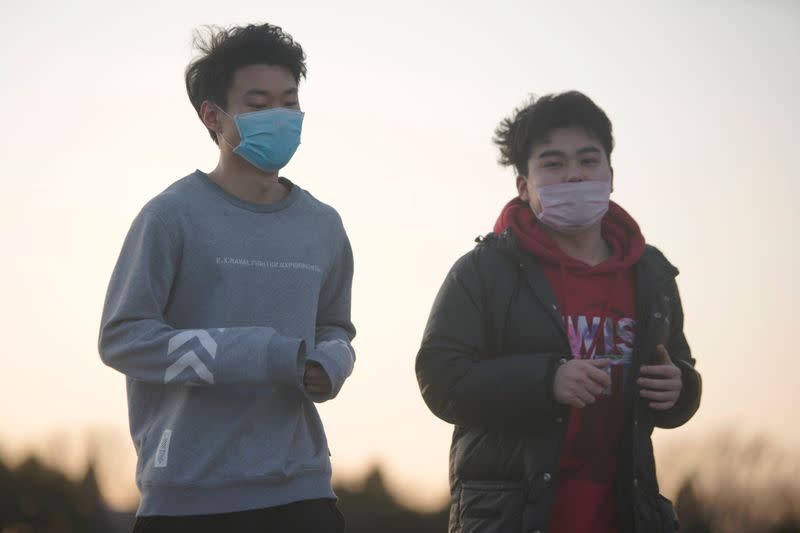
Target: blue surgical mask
[(269, 137)]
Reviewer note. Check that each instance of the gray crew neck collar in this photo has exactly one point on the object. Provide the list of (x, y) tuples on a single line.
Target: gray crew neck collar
[(291, 198)]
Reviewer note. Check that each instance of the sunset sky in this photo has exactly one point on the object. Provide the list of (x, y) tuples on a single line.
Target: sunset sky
[(400, 106)]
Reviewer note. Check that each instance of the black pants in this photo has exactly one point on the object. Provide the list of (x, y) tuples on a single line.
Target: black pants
[(313, 516)]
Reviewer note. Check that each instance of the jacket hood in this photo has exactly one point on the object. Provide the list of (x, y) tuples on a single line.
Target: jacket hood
[(619, 230)]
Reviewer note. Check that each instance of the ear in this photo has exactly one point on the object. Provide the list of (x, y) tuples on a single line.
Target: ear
[(210, 115), (522, 189)]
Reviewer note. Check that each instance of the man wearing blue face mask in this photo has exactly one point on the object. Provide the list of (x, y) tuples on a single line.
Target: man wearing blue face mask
[(229, 312)]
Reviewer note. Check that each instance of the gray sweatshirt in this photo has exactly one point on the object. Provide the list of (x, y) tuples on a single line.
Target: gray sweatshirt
[(213, 309)]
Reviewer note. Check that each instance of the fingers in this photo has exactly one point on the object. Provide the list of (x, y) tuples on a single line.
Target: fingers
[(659, 396), (316, 373), (573, 394), (662, 354), (580, 382), (579, 399), (574, 401), (584, 392), (316, 380), (599, 377), (662, 358), (586, 396), (317, 386), (662, 371), (592, 388), (660, 384), (595, 370), (593, 379)]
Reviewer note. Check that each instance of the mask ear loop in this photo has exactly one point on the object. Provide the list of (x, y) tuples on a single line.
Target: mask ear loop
[(220, 133), (540, 214)]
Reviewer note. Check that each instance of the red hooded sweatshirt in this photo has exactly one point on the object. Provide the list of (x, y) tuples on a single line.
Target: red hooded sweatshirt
[(598, 308)]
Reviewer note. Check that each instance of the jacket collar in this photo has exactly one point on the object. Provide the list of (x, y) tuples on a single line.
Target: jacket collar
[(652, 271), (652, 268)]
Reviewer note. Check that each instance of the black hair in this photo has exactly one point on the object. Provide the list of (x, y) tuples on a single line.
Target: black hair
[(533, 122), (225, 50)]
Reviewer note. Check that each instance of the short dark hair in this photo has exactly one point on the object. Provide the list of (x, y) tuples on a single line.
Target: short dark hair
[(225, 50), (533, 122)]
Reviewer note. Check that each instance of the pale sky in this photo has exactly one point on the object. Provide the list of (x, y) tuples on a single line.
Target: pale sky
[(400, 108)]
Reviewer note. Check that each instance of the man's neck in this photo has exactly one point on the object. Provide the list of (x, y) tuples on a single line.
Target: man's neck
[(587, 246), (244, 181)]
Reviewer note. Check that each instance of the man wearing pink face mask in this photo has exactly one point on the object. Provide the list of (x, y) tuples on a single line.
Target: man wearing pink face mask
[(556, 345)]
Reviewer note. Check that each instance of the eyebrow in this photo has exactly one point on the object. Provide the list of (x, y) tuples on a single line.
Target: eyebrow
[(559, 153), (551, 153), (261, 92), (589, 150)]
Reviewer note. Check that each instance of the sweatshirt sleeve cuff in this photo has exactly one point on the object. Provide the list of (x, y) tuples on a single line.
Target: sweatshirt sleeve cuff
[(285, 360), (336, 356)]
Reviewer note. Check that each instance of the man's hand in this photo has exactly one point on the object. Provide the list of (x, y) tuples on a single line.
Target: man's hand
[(579, 382), (315, 379), (661, 382)]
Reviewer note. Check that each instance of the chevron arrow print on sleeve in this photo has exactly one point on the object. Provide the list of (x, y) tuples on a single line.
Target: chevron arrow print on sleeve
[(190, 359)]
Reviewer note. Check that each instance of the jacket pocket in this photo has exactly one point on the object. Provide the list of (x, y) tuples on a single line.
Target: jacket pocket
[(491, 507), (653, 513)]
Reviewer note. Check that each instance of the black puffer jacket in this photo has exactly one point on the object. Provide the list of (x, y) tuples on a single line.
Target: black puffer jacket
[(489, 354)]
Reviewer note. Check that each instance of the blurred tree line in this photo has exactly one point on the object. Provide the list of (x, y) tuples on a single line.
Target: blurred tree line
[(36, 498)]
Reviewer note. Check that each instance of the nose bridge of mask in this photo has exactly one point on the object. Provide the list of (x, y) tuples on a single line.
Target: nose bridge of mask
[(277, 120), (574, 189)]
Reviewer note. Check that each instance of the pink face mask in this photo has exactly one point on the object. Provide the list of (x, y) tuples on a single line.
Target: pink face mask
[(573, 206)]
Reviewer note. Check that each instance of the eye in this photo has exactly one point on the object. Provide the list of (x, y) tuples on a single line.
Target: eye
[(590, 161), (291, 104), (552, 164)]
